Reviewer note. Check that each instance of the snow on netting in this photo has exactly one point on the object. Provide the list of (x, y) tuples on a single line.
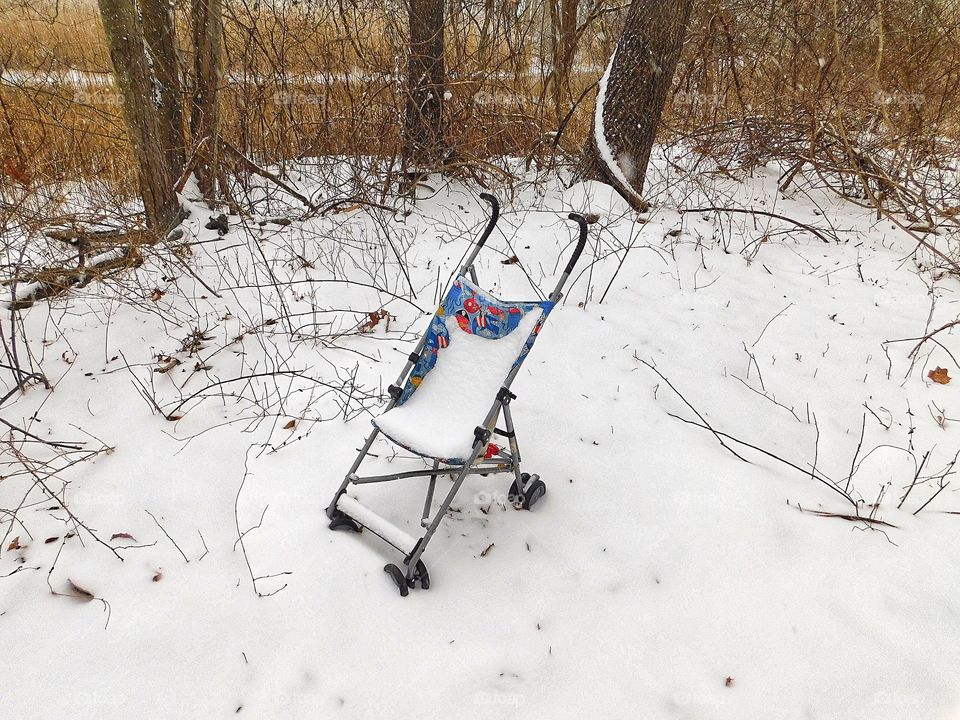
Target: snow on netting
[(466, 371)]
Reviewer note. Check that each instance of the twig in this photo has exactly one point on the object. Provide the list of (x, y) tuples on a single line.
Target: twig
[(695, 411), (183, 554)]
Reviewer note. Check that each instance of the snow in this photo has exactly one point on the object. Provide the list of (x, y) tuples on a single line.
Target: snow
[(657, 565), (601, 138), (455, 396), (375, 523)]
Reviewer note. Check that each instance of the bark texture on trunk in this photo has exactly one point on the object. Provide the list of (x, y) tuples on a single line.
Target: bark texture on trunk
[(423, 137), (207, 23), (143, 99), (632, 94), (563, 47), (160, 41)]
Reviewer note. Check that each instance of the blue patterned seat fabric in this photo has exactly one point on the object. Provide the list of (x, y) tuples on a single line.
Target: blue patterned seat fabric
[(478, 313)]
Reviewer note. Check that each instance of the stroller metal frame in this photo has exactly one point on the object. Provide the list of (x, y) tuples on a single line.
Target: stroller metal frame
[(526, 488)]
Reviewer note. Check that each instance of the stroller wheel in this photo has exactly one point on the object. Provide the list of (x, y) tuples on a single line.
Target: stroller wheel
[(396, 574), (341, 521), (422, 575), (516, 493), (533, 492)]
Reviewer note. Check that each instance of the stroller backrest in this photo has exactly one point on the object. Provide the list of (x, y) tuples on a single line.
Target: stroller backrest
[(477, 312)]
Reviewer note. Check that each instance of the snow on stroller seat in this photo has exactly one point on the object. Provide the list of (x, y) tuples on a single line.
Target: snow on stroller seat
[(447, 402)]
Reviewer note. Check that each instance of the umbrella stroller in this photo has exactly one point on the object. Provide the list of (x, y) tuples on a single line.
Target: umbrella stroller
[(433, 413)]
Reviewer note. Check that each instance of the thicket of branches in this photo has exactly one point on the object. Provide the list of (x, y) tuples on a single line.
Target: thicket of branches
[(868, 86)]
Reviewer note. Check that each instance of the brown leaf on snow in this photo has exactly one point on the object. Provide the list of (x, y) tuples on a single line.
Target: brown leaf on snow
[(157, 576), (123, 536), (79, 591), (373, 319), (51, 539), (14, 544), (157, 294), (728, 682), (512, 260), (290, 425), (169, 365), (939, 376), (487, 549)]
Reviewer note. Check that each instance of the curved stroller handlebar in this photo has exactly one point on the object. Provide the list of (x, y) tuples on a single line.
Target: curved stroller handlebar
[(581, 242), (494, 216)]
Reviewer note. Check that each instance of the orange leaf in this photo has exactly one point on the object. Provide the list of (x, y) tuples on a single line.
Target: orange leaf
[(14, 544), (290, 425), (939, 376)]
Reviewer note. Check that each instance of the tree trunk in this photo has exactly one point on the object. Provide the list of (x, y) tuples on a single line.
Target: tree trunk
[(632, 94), (423, 142), (159, 36), (207, 22), (136, 77), (563, 47)]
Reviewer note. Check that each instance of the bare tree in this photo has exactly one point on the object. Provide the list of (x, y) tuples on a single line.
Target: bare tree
[(632, 94), (204, 115), (159, 34), (139, 70), (423, 141)]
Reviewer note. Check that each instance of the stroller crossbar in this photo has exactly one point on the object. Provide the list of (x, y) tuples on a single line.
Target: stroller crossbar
[(447, 403)]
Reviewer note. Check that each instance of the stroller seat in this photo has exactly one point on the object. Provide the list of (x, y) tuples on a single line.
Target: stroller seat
[(438, 420)]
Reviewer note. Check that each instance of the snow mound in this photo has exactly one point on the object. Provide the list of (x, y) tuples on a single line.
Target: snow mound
[(595, 197), (439, 418)]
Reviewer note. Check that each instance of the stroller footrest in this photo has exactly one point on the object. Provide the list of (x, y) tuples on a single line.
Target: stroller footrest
[(376, 524)]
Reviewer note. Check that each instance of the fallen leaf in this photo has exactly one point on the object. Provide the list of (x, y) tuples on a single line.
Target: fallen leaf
[(487, 549), (290, 425), (14, 544), (373, 319), (51, 539), (512, 260), (123, 536), (157, 576), (157, 294), (728, 682), (80, 592), (170, 364), (939, 376)]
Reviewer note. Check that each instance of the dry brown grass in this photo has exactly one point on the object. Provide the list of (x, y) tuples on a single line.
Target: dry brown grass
[(322, 78)]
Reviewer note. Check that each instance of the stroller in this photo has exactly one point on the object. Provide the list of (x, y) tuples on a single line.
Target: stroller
[(434, 414)]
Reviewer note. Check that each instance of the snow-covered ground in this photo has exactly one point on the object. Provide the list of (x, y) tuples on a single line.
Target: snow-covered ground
[(661, 576)]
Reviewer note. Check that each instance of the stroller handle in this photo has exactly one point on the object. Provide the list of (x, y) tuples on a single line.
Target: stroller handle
[(581, 242), (491, 224), (494, 216)]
